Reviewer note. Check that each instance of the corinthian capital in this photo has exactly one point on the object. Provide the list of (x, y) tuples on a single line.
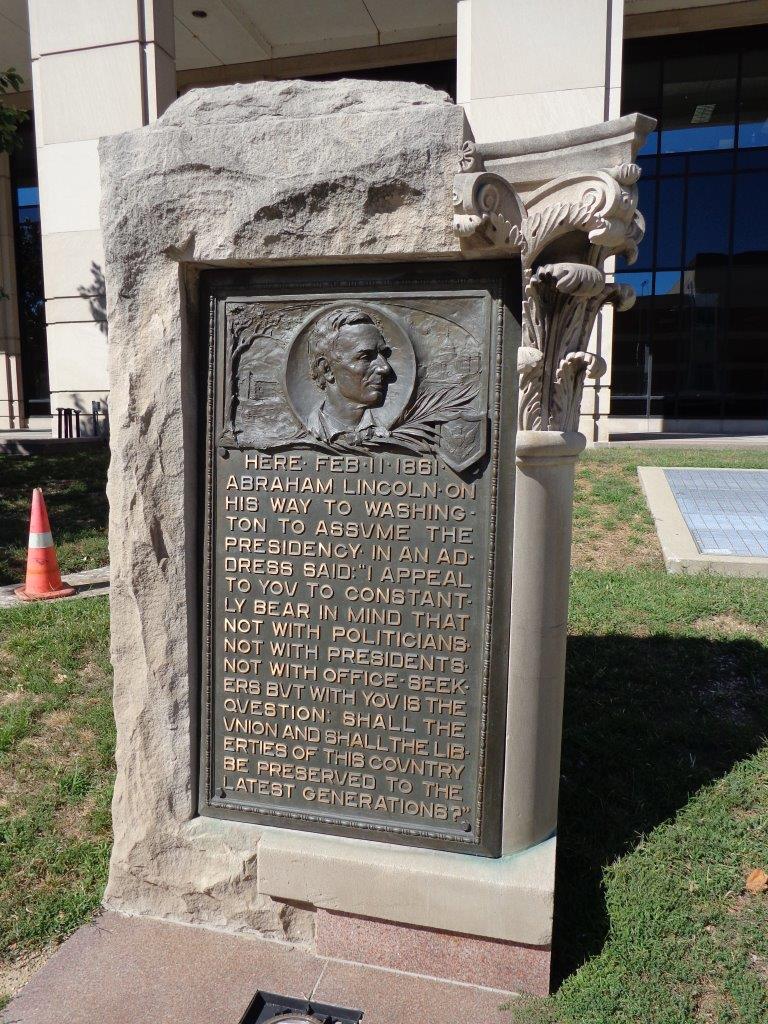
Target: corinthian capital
[(564, 230)]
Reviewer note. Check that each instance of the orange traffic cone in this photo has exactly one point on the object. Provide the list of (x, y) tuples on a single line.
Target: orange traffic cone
[(43, 577)]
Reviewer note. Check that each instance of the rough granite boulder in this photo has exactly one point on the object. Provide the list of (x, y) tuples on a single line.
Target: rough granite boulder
[(243, 175)]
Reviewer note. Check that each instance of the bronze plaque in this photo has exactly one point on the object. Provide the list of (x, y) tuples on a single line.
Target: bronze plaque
[(359, 462)]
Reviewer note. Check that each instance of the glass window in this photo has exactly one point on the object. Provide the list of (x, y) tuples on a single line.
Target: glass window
[(672, 165), (699, 102), (27, 205), (748, 159), (630, 357), (668, 282), (750, 216), (29, 273), (630, 345), (716, 161), (641, 282), (647, 203), (695, 346), (665, 317), (669, 235), (28, 214), (28, 196), (705, 290), (747, 345), (647, 165), (708, 215), (640, 93), (664, 368), (753, 105)]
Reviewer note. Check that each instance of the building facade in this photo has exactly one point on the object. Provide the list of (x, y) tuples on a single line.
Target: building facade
[(690, 357)]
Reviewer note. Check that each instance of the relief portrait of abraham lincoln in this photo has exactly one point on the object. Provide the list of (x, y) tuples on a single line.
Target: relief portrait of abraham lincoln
[(349, 363)]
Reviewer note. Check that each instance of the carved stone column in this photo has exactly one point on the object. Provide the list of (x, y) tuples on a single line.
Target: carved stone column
[(564, 231)]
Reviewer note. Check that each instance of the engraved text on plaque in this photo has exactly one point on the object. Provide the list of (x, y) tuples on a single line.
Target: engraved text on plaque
[(359, 460)]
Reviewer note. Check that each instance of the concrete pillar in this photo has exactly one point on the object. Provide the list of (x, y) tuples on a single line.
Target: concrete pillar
[(11, 394), (542, 559), (526, 69), (98, 67)]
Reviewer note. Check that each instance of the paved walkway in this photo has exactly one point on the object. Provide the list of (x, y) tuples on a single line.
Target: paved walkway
[(25, 435), (726, 510), (689, 441), (122, 970), (89, 583)]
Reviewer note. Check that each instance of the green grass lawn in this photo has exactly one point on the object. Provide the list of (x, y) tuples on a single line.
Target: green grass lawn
[(56, 772), (73, 484), (664, 794), (664, 791)]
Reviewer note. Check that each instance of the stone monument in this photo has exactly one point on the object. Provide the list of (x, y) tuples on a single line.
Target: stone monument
[(347, 348)]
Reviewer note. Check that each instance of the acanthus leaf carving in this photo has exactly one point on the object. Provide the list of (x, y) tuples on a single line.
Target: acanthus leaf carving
[(569, 384), (578, 279), (578, 221)]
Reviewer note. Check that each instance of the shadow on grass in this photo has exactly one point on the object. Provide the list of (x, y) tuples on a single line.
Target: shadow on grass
[(74, 486), (648, 721)]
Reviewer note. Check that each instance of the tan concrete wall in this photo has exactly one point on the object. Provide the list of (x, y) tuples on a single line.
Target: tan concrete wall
[(528, 69), (97, 69)]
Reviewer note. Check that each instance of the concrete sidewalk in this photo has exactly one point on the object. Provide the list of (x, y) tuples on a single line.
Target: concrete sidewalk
[(126, 970), (687, 441), (89, 583)]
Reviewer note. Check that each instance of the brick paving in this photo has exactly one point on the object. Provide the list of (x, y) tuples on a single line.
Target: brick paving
[(726, 510)]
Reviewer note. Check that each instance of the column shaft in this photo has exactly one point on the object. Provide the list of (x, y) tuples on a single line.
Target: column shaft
[(541, 560), (98, 67)]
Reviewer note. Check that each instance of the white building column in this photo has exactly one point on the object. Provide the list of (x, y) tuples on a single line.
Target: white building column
[(11, 394), (534, 67), (98, 67)]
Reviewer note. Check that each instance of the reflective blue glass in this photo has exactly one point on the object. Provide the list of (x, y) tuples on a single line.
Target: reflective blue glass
[(28, 196), (699, 102), (29, 214), (642, 282), (672, 165), (690, 139), (651, 145), (750, 218), (753, 103), (710, 161), (647, 165), (708, 216), (752, 158), (669, 237), (647, 204), (753, 133), (668, 282), (640, 92), (698, 334)]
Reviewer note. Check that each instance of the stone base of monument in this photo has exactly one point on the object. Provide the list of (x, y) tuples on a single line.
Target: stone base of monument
[(388, 907), (427, 951), (122, 970)]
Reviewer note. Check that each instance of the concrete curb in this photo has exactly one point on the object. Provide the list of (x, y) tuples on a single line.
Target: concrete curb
[(21, 445), (681, 555)]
